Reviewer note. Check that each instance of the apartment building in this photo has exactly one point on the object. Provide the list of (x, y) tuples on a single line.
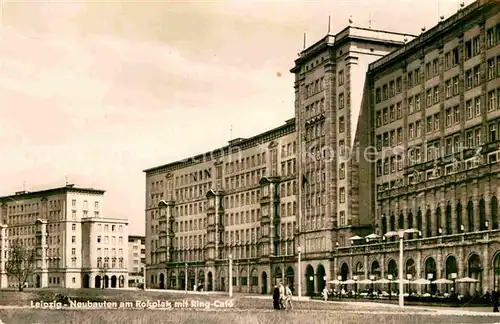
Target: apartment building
[(136, 260), (238, 201), (60, 224), (329, 79), (431, 120)]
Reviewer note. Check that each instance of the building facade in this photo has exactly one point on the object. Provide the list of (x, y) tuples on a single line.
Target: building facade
[(391, 132), (431, 125), (136, 260), (62, 225), (241, 201)]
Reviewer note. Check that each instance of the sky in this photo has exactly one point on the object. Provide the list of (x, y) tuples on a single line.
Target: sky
[(97, 91)]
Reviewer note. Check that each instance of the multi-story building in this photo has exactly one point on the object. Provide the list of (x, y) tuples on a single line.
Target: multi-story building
[(242, 198), (430, 122), (64, 225), (136, 260), (202, 209), (329, 81), (391, 132)]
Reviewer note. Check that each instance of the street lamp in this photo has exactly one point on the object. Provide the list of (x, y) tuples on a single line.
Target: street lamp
[(230, 275), (401, 235), (299, 270), (186, 278)]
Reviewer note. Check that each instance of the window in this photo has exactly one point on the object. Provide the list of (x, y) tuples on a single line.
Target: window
[(469, 109), (468, 79), (447, 86), (416, 75), (477, 75), (429, 97), (341, 101), (491, 69), (468, 49), (399, 110), (342, 170), (392, 113), (73, 202), (436, 94), (428, 71), (492, 132), (377, 95), (341, 77), (379, 142), (73, 227), (398, 85), (456, 114), (418, 128), (85, 204), (455, 56), (411, 107), (399, 135), (378, 119), (386, 166), (490, 37), (411, 131), (477, 106), (491, 100), (449, 117), (342, 195), (455, 85), (386, 115), (476, 45), (409, 80), (73, 239), (379, 168), (99, 239), (341, 147), (429, 124), (447, 60), (96, 205), (342, 218), (384, 92), (417, 102), (73, 251), (341, 124), (435, 67), (436, 121)]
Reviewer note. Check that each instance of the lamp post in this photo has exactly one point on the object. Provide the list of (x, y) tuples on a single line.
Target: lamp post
[(299, 270), (230, 275), (339, 278), (401, 235), (186, 277), (372, 278)]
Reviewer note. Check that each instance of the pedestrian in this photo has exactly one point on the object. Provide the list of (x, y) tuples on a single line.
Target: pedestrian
[(325, 294), (282, 296), (276, 297), (496, 296), (288, 297)]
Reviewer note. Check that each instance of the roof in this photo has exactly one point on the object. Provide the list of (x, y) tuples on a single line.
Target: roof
[(52, 191), (242, 143), (432, 34)]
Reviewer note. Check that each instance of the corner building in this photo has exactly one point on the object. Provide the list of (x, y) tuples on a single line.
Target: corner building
[(261, 198), (431, 122), (73, 240)]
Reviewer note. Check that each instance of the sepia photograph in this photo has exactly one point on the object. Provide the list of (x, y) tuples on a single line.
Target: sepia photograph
[(249, 161)]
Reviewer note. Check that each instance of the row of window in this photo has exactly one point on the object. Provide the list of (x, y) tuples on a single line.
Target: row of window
[(315, 108), (315, 87), (482, 212), (85, 204), (472, 78), (106, 239), (106, 252)]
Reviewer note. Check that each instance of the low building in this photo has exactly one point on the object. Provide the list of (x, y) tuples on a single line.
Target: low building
[(75, 244), (136, 260)]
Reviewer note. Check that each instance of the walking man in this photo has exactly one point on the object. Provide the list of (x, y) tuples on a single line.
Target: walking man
[(288, 297), (282, 296)]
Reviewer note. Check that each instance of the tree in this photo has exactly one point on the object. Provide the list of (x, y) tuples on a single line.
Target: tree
[(20, 263)]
